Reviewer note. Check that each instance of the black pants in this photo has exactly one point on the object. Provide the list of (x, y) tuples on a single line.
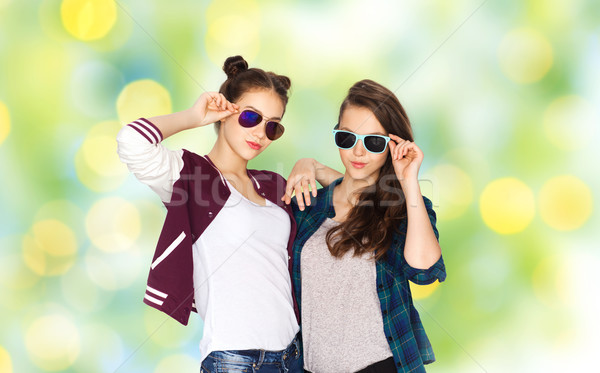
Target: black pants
[(383, 366)]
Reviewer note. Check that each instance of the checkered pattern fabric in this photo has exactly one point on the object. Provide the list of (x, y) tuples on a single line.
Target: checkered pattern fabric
[(402, 326)]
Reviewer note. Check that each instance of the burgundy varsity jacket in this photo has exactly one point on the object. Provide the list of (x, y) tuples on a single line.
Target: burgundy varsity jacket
[(198, 196)]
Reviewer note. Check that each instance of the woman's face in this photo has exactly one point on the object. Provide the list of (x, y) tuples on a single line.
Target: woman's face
[(250, 142), (361, 164)]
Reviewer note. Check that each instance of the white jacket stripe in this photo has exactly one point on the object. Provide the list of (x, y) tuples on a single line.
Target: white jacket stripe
[(153, 300), (169, 250), (156, 292)]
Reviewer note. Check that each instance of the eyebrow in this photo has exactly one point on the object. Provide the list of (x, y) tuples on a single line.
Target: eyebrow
[(372, 133), (260, 112)]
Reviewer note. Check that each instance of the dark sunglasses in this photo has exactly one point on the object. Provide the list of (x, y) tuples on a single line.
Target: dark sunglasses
[(373, 143), (250, 118)]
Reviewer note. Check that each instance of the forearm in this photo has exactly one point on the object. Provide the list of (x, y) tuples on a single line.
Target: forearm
[(325, 175), (171, 124), (421, 249)]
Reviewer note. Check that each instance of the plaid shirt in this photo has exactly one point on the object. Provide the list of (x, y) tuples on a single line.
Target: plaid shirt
[(401, 323)]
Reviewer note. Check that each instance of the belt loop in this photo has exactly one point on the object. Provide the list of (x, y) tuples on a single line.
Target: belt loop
[(261, 358), (297, 343)]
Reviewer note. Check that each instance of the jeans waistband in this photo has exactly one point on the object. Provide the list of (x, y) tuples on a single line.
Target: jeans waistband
[(261, 356)]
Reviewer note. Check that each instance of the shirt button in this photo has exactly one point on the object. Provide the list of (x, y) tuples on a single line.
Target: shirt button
[(380, 286), (390, 339), (384, 312), (289, 257), (210, 214), (262, 194)]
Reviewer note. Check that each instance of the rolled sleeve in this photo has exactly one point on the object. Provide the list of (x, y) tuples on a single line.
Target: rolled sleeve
[(426, 276)]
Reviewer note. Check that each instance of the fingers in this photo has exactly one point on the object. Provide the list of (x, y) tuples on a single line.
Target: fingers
[(302, 191), (299, 196), (289, 189), (218, 102), (400, 148), (306, 192), (313, 185)]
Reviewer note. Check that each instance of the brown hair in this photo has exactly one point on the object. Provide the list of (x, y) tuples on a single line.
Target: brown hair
[(241, 79), (371, 223)]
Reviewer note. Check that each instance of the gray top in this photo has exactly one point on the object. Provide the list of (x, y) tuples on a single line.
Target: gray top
[(342, 326)]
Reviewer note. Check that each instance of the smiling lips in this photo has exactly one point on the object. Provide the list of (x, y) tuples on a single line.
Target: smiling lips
[(253, 145), (358, 164)]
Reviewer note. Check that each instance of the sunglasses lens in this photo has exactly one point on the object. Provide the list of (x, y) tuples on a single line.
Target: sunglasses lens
[(249, 118), (375, 144), (274, 130), (345, 140)]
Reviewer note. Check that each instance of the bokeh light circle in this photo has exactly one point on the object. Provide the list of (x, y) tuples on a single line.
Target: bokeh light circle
[(88, 19), (571, 122), (422, 291), (455, 191), (97, 163), (525, 56), (143, 98), (4, 122), (49, 249), (5, 361), (565, 202), (232, 29), (507, 205), (65, 211), (113, 224), (53, 342), (100, 153)]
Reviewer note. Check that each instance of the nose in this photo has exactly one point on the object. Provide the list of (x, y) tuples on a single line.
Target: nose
[(359, 149), (259, 131)]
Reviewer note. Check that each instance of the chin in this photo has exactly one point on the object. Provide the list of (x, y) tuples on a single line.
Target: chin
[(358, 174), (249, 154)]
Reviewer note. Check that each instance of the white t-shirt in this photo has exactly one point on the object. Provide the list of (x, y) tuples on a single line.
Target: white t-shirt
[(241, 278)]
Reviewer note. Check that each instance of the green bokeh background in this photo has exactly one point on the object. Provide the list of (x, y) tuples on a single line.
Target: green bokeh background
[(503, 97)]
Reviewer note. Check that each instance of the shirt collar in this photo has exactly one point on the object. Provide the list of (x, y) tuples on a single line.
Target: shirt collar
[(325, 204)]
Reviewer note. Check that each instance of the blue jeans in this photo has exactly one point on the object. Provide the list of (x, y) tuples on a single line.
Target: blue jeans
[(255, 361)]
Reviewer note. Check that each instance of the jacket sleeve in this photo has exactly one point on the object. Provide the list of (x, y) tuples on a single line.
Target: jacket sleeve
[(438, 270), (139, 147)]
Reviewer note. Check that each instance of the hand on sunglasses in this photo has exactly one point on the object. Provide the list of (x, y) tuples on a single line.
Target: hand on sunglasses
[(406, 158), (212, 107)]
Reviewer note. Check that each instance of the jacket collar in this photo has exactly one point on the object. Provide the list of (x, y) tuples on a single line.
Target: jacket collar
[(264, 184)]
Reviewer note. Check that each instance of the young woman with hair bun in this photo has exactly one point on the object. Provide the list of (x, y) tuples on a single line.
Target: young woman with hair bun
[(225, 247), (359, 242)]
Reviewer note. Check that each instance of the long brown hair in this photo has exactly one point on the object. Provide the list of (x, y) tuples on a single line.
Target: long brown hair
[(371, 223), (241, 79)]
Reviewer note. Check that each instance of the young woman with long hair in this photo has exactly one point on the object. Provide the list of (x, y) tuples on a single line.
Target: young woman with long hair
[(225, 247), (361, 240)]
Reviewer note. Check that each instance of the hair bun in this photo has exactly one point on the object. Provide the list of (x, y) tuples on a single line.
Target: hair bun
[(234, 65), (285, 81)]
